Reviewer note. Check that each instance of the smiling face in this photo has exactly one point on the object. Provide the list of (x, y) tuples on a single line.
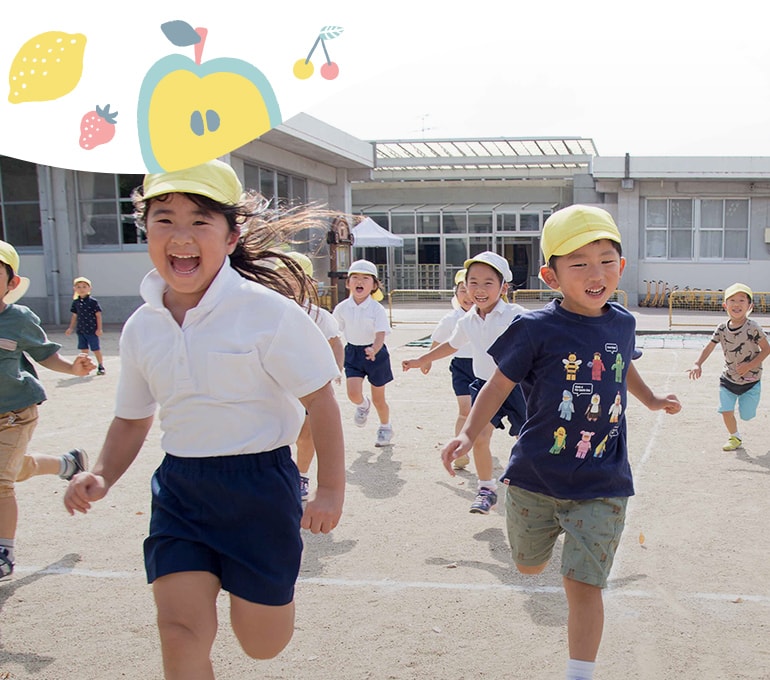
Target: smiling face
[(463, 297), (737, 307), (360, 286), (187, 245), (485, 286), (587, 277), (81, 289)]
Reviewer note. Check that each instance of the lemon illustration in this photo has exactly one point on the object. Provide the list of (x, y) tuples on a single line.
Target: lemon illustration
[(46, 67)]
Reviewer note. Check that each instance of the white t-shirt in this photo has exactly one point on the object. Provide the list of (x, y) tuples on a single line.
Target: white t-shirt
[(228, 380), (324, 320), (481, 334), (444, 330), (360, 323)]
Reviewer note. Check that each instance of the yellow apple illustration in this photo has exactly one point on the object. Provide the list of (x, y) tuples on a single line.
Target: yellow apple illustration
[(190, 112)]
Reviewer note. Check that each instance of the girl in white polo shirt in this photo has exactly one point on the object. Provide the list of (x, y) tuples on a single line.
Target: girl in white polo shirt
[(364, 323), (230, 359)]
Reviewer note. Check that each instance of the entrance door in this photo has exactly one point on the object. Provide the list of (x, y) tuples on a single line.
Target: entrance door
[(524, 258)]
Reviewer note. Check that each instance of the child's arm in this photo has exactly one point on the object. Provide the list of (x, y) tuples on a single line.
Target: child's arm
[(443, 350), (81, 365), (338, 349), (695, 371), (486, 404), (73, 323), (121, 446), (98, 323), (636, 386), (425, 368), (379, 341), (756, 362), (322, 513)]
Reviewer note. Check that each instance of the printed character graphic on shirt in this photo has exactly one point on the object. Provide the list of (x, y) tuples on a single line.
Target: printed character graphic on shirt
[(559, 441), (597, 367), (566, 407), (584, 445), (600, 447), (618, 367), (616, 409), (571, 365), (594, 410)]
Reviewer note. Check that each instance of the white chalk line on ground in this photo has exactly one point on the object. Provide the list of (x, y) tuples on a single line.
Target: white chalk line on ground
[(388, 584)]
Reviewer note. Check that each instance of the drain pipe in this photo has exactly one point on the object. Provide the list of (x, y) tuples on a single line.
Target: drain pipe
[(50, 232)]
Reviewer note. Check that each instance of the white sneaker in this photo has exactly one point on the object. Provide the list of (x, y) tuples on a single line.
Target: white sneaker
[(362, 413), (384, 435)]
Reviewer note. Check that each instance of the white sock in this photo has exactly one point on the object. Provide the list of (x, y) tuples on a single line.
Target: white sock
[(489, 484), (579, 670), (385, 426), (736, 434), (363, 404)]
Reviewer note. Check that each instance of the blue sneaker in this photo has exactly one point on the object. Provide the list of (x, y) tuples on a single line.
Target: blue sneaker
[(304, 487), (486, 500), (77, 461), (6, 566)]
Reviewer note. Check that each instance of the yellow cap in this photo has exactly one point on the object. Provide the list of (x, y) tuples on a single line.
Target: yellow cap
[(215, 179), (302, 260), (574, 227), (738, 288), (460, 276), (9, 256)]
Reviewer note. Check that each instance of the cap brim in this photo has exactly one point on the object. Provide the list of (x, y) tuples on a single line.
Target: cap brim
[(180, 186), (17, 293)]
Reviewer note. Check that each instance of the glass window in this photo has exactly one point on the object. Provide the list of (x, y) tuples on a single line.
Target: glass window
[(282, 188), (529, 222), (298, 190), (455, 223), (506, 222), (267, 184), (19, 203), (428, 223), (478, 244), (250, 177), (456, 252), (105, 210), (480, 223), (402, 223)]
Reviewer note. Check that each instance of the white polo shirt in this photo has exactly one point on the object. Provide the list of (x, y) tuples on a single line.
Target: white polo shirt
[(360, 323), (227, 380), (482, 333), (446, 327), (324, 320)]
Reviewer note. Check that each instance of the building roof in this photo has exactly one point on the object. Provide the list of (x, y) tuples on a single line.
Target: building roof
[(484, 158)]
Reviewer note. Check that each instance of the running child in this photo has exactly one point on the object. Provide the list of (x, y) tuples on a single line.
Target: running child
[(331, 330), (229, 358), (364, 323), (486, 276), (20, 394), (87, 320), (745, 347), (461, 365), (569, 471)]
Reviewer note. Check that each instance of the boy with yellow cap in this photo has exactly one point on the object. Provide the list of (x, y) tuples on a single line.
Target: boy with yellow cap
[(20, 393), (87, 320), (745, 347), (567, 473)]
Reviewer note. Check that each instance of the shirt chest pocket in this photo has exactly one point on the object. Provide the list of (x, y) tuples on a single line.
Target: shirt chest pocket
[(233, 377)]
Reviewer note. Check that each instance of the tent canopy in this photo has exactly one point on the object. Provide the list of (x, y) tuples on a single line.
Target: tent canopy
[(368, 234)]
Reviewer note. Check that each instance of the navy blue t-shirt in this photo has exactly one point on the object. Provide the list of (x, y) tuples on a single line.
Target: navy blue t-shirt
[(572, 370), (86, 308)]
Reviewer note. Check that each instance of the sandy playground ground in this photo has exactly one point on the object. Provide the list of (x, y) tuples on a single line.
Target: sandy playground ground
[(411, 585)]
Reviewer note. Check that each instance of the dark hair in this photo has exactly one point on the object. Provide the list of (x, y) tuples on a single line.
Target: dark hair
[(9, 271), (263, 233), (552, 262)]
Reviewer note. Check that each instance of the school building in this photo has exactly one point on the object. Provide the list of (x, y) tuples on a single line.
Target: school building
[(696, 222)]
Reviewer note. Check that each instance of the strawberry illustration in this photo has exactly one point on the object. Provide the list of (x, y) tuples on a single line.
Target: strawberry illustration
[(97, 127)]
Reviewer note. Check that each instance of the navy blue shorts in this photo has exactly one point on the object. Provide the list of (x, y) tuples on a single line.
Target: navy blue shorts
[(236, 517), (461, 369), (514, 408), (88, 342), (357, 365)]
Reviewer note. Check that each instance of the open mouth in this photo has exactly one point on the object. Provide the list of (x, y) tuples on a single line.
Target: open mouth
[(595, 292), (184, 265)]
